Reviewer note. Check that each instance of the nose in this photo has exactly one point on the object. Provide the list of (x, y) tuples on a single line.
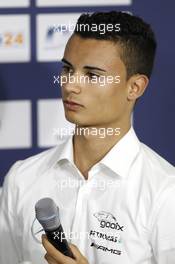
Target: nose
[(71, 83)]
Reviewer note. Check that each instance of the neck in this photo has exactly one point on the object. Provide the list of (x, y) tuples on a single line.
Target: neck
[(91, 144)]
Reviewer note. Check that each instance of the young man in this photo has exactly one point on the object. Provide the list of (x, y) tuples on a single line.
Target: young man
[(115, 195)]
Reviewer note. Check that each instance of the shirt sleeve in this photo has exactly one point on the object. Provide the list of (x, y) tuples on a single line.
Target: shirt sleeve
[(9, 252), (163, 232)]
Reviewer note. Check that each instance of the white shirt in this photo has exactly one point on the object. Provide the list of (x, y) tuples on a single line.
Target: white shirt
[(124, 213)]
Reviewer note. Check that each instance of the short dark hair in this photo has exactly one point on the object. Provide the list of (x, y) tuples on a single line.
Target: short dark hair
[(135, 37)]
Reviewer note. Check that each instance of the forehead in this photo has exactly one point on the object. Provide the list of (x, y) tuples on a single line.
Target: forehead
[(81, 51)]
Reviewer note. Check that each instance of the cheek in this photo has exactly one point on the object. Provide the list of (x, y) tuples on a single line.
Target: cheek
[(112, 99), (99, 104), (110, 94), (118, 93)]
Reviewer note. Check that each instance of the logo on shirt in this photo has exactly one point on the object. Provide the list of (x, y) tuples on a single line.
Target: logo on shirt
[(113, 251), (107, 220), (109, 240)]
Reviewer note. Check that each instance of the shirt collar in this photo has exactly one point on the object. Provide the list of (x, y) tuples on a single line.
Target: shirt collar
[(63, 152), (123, 153), (119, 159)]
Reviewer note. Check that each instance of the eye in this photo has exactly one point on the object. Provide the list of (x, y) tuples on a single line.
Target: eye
[(93, 75), (67, 69)]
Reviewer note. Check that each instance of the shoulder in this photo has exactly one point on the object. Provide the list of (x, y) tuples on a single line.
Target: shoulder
[(158, 181), (24, 172), (159, 167), (155, 178)]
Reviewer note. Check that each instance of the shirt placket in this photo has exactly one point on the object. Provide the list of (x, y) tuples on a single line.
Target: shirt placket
[(80, 214)]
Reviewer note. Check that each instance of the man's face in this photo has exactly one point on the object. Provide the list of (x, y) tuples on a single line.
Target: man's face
[(103, 104)]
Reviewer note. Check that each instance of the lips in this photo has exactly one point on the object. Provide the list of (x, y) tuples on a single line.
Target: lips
[(71, 102)]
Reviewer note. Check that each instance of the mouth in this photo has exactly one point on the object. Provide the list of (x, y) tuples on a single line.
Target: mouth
[(71, 105), (71, 102)]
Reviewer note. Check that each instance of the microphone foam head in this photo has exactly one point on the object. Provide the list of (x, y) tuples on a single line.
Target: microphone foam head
[(47, 213)]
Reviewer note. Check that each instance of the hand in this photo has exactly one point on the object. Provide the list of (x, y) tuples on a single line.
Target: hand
[(53, 256)]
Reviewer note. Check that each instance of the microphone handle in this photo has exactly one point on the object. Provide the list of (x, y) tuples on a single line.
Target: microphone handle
[(58, 240)]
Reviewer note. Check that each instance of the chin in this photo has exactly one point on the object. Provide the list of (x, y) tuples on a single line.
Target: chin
[(80, 121), (76, 121), (72, 119)]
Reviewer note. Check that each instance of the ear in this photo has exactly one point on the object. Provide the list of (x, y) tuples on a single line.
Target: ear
[(136, 86)]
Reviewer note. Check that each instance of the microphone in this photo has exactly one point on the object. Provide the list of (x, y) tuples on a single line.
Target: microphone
[(47, 213)]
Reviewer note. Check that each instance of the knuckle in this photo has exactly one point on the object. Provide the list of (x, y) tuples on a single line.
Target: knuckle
[(46, 257)]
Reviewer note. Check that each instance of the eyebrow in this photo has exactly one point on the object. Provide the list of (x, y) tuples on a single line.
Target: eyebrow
[(85, 67)]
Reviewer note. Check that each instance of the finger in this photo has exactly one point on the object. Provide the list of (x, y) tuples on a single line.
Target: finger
[(54, 253), (50, 260), (76, 252)]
